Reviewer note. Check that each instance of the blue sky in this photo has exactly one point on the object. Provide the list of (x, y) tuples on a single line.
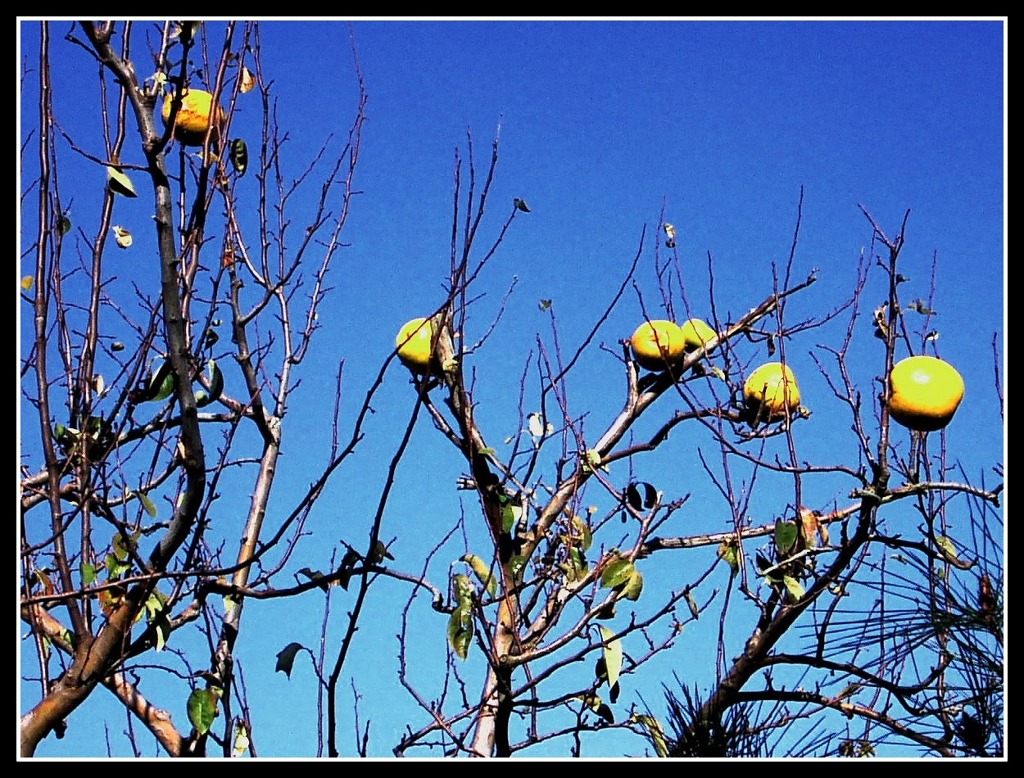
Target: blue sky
[(603, 126)]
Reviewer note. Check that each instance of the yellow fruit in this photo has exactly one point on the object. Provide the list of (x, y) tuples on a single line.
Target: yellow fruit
[(772, 391), (193, 119), (924, 393), (696, 334), (414, 342), (657, 344)]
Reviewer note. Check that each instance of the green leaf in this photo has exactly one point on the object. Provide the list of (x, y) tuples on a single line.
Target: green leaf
[(115, 567), (612, 655), (483, 572), (605, 713), (157, 617), (510, 516), (946, 546), (161, 382), (592, 461), (69, 637), (641, 495), (119, 183), (613, 692), (286, 658), (694, 610), (380, 553), (239, 156), (347, 563), (521, 205), (576, 567), (88, 574), (44, 581), (785, 536), (543, 305), (729, 550), (460, 630), (462, 589), (508, 519), (147, 504), (163, 631), (156, 605), (577, 559), (633, 497), (123, 545), (655, 732), (633, 587), (796, 591), (616, 573), (63, 224), (595, 703), (315, 575), (215, 380), (580, 534), (516, 565), (186, 30), (202, 709)]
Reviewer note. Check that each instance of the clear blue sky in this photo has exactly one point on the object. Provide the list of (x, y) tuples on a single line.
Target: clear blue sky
[(603, 124)]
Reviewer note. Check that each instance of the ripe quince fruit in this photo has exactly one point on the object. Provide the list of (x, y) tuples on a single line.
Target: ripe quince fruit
[(924, 393), (697, 334), (193, 118), (414, 343), (657, 344), (771, 391)]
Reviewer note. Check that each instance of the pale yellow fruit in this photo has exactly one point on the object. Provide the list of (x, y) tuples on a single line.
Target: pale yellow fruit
[(924, 393), (658, 344), (771, 391), (697, 334), (193, 118), (414, 341)]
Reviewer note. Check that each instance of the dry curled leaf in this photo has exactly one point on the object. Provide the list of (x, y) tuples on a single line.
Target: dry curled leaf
[(122, 236), (246, 80)]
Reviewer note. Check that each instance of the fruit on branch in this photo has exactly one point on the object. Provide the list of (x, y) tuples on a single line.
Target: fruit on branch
[(658, 344), (771, 392), (414, 343), (194, 117), (924, 393), (697, 334)]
